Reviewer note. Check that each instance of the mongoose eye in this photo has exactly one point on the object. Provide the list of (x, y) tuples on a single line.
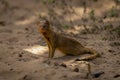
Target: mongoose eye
[(45, 26)]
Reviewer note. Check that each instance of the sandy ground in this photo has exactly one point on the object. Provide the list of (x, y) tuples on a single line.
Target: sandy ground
[(23, 51)]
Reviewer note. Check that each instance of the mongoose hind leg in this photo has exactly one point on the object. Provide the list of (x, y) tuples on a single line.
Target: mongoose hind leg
[(93, 54)]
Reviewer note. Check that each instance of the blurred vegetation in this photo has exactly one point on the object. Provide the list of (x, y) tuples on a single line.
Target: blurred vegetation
[(113, 13), (117, 30), (92, 15), (66, 26), (48, 1)]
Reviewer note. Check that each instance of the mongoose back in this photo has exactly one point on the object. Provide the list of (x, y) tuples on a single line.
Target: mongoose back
[(66, 45)]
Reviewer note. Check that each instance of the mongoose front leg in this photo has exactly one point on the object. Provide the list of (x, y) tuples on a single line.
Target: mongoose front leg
[(52, 51), (49, 48)]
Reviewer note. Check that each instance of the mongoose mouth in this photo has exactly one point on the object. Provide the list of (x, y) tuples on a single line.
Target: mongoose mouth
[(43, 31)]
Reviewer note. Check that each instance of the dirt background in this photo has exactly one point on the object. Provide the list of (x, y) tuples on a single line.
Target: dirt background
[(23, 51)]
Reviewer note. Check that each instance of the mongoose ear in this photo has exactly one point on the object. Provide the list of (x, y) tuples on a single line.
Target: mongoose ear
[(47, 22)]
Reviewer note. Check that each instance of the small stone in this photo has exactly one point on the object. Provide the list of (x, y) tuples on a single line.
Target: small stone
[(22, 52), (63, 65), (98, 74), (77, 59), (35, 71), (111, 51), (26, 29), (1, 42), (76, 70), (25, 77), (28, 44), (114, 54), (20, 55), (8, 64), (2, 23), (56, 64), (102, 53), (11, 69), (117, 75)]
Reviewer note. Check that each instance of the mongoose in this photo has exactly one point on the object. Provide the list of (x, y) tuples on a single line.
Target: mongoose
[(64, 44)]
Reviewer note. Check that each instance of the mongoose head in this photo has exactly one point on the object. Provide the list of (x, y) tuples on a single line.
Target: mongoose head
[(43, 26)]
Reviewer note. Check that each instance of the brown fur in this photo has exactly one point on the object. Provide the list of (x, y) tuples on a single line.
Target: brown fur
[(66, 45)]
